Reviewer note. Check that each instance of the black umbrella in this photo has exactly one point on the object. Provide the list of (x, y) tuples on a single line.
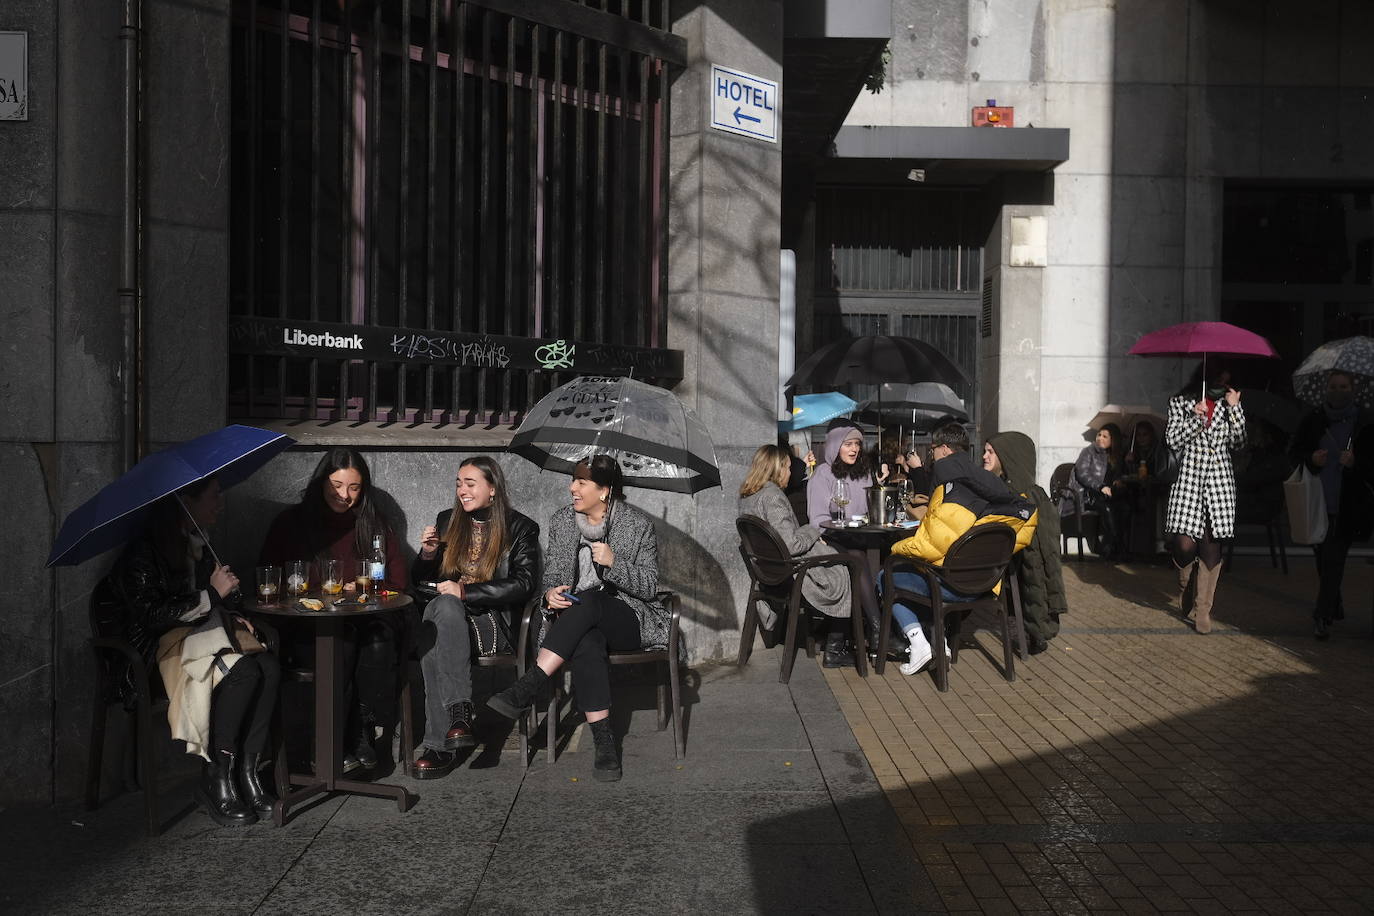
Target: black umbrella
[(874, 360), (1284, 413), (659, 442)]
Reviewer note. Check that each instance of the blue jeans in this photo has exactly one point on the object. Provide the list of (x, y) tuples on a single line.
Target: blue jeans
[(915, 583)]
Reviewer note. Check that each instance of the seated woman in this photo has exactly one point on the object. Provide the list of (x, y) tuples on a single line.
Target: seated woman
[(337, 518), (845, 471), (827, 589), (1011, 456), (1098, 476), (180, 607), (601, 589), (486, 560)]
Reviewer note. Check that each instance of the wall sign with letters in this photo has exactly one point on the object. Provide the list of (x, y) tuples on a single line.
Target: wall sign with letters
[(14, 76), (282, 337)]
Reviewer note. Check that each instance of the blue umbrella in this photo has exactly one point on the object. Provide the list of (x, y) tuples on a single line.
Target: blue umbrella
[(814, 409), (112, 516)]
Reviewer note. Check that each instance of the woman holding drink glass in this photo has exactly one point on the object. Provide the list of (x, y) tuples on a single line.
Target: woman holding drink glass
[(481, 559), (337, 519)]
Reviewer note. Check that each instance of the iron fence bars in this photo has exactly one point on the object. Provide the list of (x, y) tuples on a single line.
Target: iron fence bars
[(450, 167)]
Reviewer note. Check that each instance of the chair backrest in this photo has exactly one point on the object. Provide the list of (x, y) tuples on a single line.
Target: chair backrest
[(765, 555), (976, 561), (1059, 480)]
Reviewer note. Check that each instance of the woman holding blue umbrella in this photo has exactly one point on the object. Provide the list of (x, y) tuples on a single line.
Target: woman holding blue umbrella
[(179, 606)]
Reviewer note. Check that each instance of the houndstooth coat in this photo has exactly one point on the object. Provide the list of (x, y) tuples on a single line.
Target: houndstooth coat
[(1206, 487)]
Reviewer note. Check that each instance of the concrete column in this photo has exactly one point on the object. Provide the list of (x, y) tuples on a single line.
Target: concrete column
[(724, 206)]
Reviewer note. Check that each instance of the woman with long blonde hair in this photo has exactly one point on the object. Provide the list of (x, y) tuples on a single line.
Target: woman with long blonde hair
[(483, 567), (827, 589)]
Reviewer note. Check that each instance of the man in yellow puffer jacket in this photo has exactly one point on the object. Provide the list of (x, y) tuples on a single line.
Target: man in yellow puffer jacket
[(963, 495)]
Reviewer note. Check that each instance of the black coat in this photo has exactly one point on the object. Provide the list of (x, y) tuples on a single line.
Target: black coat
[(516, 576), (1355, 514)]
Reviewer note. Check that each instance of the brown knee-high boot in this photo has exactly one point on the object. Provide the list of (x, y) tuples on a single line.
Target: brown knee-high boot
[(1185, 578), (1206, 589)]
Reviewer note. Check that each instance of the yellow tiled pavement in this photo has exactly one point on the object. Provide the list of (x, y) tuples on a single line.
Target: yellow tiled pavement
[(1136, 766)]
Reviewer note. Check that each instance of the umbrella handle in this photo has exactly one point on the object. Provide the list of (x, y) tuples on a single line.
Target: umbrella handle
[(200, 531)]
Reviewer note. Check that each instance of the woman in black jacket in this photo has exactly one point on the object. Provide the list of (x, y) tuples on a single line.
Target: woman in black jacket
[(1097, 474), (167, 583), (482, 558)]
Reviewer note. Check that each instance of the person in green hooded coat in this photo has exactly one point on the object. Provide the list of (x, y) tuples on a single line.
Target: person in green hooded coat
[(1012, 457)]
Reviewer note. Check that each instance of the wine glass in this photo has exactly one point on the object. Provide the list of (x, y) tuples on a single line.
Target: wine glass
[(841, 499), (332, 581)]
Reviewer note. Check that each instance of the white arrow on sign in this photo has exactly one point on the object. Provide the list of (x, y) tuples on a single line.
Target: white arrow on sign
[(744, 104)]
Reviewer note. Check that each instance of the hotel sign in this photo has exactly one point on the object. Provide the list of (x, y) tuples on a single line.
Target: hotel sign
[(14, 76)]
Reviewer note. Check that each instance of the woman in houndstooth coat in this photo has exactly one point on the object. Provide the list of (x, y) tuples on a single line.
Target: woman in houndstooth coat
[(1202, 502)]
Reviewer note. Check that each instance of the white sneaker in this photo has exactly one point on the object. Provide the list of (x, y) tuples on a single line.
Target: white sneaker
[(918, 659)]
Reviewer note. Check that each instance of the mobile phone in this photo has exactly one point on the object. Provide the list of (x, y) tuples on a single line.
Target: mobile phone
[(433, 585), (572, 597)]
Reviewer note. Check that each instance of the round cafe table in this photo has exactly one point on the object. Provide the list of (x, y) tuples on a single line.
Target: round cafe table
[(329, 711), (870, 542)]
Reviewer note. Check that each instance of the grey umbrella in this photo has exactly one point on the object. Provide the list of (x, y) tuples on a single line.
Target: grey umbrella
[(1352, 355), (659, 442)]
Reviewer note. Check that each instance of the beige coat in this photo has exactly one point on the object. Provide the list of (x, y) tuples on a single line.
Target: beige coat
[(186, 658)]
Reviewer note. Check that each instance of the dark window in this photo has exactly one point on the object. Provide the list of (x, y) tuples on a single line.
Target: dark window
[(437, 167)]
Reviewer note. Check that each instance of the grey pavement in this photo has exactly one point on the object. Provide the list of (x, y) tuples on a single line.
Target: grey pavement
[(773, 810)]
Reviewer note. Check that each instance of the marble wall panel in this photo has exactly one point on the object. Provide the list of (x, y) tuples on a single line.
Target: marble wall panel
[(1226, 40), (1086, 110), (1149, 129), (186, 301), (1301, 134), (1080, 222), (1079, 34), (1225, 130), (26, 373), (186, 112), (928, 103), (1144, 299), (930, 40), (1074, 314), (90, 118), (1006, 41), (1357, 24), (1147, 48), (26, 633), (26, 146), (1302, 43), (89, 331), (1147, 221)]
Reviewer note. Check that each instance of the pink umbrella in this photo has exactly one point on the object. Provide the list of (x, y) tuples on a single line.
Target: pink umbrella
[(1203, 338)]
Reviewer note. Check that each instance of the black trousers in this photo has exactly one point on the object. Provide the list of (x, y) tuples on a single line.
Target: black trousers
[(583, 635), (241, 705), (1331, 554)]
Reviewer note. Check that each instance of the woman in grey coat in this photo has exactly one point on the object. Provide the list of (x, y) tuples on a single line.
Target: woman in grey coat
[(601, 589), (827, 588)]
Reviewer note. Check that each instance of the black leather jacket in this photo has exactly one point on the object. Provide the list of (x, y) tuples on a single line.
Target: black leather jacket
[(141, 598), (517, 573)]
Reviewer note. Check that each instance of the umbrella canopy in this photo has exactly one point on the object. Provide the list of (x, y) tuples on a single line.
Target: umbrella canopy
[(1353, 355), (1285, 413), (814, 409), (874, 360), (916, 404), (659, 442), (1126, 416), (1203, 338), (112, 516)]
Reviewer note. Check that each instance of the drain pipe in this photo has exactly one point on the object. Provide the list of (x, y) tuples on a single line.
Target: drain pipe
[(131, 247)]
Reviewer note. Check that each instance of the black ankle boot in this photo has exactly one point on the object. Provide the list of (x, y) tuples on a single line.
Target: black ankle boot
[(251, 790), (606, 767), (461, 733), (516, 698), (217, 792), (838, 654)]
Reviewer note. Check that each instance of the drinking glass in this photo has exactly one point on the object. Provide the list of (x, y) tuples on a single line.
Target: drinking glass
[(363, 578), (268, 579), (841, 499), (330, 581), (297, 578)]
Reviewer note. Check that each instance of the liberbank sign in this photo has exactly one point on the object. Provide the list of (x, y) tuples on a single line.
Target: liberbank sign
[(256, 336)]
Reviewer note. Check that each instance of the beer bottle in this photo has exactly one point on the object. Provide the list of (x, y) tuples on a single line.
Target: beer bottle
[(377, 564)]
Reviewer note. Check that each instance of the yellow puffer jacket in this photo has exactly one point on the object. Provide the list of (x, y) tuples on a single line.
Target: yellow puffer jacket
[(963, 496)]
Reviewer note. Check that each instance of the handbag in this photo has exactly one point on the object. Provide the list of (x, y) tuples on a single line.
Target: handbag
[(244, 640), (490, 633), (1307, 519), (1168, 469)]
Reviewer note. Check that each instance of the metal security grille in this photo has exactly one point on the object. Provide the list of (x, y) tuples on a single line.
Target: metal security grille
[(890, 239), (423, 187)]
